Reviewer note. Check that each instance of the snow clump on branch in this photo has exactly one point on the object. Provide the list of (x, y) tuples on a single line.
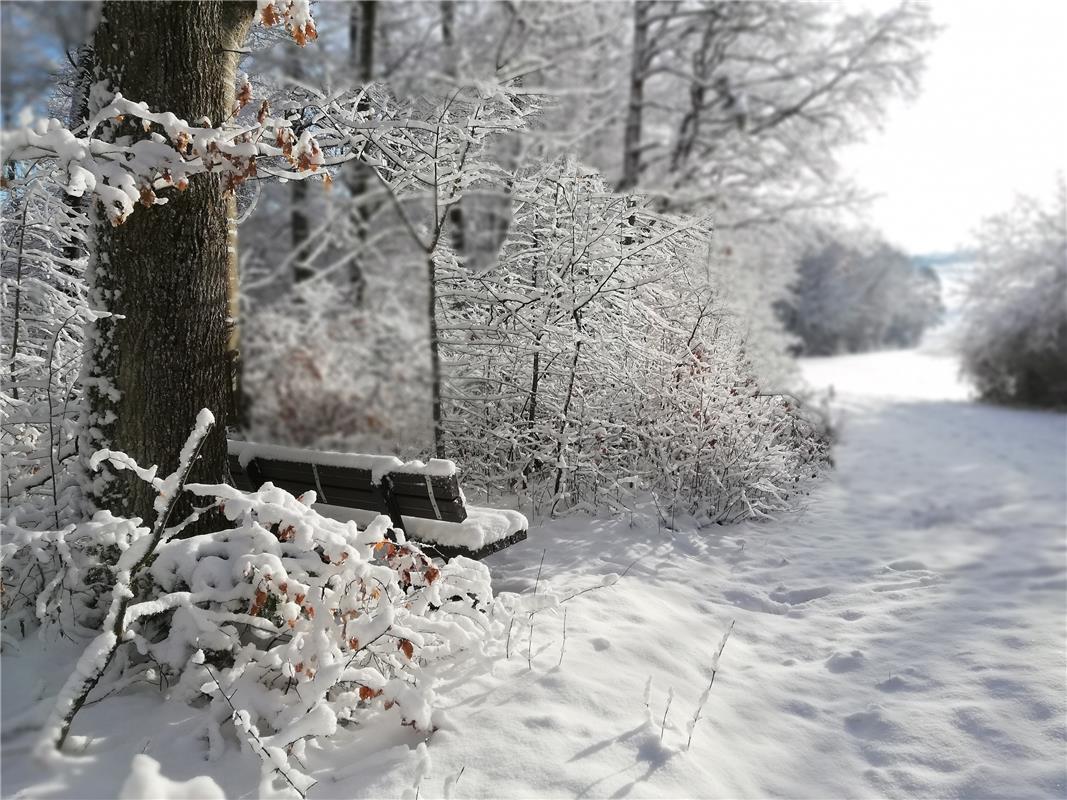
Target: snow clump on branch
[(121, 173)]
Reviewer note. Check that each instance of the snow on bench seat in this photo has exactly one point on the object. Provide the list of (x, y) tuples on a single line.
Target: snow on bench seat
[(378, 466), (483, 529)]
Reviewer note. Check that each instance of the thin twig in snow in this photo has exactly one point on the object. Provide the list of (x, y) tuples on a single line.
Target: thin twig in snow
[(253, 734), (663, 727), (538, 579), (563, 647), (704, 697)]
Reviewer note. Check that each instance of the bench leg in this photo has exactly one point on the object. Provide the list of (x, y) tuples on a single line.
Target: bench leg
[(385, 489)]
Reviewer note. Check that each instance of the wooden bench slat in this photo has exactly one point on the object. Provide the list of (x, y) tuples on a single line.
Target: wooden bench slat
[(299, 478), (275, 471), (352, 498), (346, 477), (451, 510), (445, 487)]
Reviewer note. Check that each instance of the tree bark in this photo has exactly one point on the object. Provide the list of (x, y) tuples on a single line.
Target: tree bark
[(79, 111), (631, 140), (435, 360), (361, 28), (167, 270), (300, 228), (361, 31), (301, 231), (457, 227)]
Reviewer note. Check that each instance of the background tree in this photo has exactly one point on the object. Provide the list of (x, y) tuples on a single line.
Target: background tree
[(1013, 335), (752, 100), (854, 292)]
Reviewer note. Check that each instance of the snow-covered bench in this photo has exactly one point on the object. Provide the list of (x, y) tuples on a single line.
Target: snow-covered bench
[(423, 500)]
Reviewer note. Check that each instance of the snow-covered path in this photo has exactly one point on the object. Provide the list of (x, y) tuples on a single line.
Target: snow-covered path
[(904, 636)]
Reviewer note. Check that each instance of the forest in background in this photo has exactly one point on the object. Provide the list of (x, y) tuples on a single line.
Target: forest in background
[(592, 270)]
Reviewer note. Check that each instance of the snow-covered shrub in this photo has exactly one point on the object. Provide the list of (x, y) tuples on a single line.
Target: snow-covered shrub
[(1013, 335), (598, 353), (854, 293), (346, 616), (43, 309), (285, 623)]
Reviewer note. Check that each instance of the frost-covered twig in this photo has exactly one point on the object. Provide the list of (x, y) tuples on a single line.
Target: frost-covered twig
[(242, 723), (452, 781), (704, 697), (666, 710), (529, 646), (97, 656), (563, 646), (537, 580)]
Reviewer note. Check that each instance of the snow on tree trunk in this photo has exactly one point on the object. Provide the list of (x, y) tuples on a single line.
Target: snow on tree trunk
[(79, 112), (166, 270)]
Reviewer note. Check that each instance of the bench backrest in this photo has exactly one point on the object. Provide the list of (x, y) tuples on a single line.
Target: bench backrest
[(410, 494)]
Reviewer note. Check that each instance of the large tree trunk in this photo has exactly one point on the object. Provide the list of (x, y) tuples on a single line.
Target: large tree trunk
[(166, 270)]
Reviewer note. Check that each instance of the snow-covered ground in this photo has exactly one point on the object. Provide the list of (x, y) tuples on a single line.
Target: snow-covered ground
[(903, 636)]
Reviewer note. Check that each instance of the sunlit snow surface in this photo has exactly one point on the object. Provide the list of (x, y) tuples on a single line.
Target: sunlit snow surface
[(897, 375), (903, 636)]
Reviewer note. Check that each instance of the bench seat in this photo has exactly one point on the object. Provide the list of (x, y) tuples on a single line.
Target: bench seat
[(484, 531)]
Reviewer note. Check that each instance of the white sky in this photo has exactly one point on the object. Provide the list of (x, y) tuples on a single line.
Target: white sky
[(991, 122)]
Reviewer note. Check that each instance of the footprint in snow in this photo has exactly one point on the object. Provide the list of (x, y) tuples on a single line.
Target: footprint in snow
[(923, 582), (753, 602), (798, 596), (906, 564), (871, 724), (898, 683), (846, 662), (542, 723), (802, 709)]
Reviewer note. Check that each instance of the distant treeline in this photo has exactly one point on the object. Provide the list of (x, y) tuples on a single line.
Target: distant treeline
[(855, 292)]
